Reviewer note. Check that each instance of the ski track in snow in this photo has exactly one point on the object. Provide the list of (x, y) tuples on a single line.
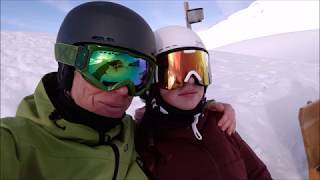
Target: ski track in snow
[(265, 93)]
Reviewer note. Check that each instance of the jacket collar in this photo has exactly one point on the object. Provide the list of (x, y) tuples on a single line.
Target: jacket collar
[(38, 107)]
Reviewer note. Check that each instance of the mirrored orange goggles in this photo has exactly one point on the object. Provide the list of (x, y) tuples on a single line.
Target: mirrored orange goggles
[(175, 68)]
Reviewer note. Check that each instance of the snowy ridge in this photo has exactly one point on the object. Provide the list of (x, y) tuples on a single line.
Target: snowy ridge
[(265, 91), (263, 18), (293, 45)]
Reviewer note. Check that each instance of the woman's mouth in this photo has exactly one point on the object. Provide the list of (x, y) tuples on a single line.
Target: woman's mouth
[(187, 93)]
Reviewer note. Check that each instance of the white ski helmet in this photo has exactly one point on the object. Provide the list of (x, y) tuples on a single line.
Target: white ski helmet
[(174, 37), (170, 39)]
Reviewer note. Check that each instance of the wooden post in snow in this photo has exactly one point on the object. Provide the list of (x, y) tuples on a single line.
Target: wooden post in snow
[(186, 8)]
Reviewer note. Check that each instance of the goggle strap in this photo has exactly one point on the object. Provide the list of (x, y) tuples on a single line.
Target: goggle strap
[(65, 53), (156, 78)]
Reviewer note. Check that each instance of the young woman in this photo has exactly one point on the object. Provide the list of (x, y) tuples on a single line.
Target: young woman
[(178, 138)]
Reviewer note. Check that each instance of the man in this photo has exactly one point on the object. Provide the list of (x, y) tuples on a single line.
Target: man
[(74, 126)]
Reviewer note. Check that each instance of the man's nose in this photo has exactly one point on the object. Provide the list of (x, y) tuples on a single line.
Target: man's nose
[(123, 91)]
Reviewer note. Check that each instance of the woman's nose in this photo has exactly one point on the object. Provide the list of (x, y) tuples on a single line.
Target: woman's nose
[(191, 80)]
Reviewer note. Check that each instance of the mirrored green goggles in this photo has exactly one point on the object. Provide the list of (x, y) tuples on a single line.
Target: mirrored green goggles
[(108, 68)]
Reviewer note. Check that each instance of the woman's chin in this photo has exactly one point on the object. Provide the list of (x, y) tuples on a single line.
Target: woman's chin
[(186, 106)]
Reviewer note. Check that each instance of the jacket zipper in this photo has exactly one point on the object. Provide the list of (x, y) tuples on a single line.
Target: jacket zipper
[(116, 155), (115, 151)]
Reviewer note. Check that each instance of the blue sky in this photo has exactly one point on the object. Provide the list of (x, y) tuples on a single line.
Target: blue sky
[(47, 15)]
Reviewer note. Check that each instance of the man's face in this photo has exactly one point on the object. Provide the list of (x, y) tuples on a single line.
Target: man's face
[(110, 104)]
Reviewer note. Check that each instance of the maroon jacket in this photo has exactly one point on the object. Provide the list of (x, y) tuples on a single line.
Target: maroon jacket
[(175, 153)]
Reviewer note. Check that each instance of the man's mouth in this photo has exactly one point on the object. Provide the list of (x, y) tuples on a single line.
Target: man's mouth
[(118, 106), (115, 106)]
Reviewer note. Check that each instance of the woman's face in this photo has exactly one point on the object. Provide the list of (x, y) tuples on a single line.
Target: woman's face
[(184, 98)]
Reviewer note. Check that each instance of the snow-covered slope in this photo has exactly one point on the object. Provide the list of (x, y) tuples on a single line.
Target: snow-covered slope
[(293, 45), (25, 57), (263, 18), (266, 93), (267, 80)]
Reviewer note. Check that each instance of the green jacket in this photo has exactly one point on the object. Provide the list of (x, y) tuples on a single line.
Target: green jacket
[(33, 147)]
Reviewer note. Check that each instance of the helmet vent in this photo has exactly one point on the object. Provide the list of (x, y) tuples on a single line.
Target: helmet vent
[(104, 39)]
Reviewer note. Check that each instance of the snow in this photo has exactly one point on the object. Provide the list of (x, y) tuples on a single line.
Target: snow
[(263, 18), (265, 62), (267, 80), (266, 92), (25, 58), (292, 45)]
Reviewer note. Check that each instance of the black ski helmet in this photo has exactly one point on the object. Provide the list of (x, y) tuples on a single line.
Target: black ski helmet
[(104, 23)]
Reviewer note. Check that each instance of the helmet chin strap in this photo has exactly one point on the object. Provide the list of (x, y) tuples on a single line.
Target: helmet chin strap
[(158, 104)]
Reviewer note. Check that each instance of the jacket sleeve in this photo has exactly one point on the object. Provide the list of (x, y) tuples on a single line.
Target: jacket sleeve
[(9, 164), (256, 169)]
